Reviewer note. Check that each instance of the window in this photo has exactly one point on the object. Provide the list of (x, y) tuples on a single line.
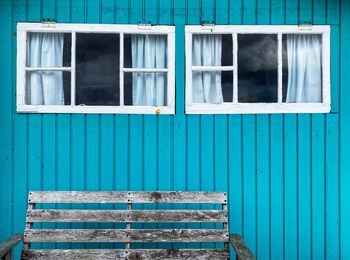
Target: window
[(94, 68), (257, 69)]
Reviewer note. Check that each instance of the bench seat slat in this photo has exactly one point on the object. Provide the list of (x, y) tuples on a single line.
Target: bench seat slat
[(92, 254), (126, 197), (123, 235), (42, 215)]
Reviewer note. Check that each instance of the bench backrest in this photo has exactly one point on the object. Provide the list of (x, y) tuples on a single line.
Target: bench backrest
[(216, 213)]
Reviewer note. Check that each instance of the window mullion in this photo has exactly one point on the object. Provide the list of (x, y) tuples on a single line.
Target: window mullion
[(73, 68), (235, 71), (121, 69), (279, 91)]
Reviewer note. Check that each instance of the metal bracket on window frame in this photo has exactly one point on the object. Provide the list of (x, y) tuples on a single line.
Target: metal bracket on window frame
[(48, 22), (207, 26), (144, 26), (305, 26)]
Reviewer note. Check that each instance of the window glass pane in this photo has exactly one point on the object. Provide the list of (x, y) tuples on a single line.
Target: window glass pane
[(145, 89), (302, 68), (48, 88), (97, 69), (145, 51), (212, 50), (49, 49), (257, 68), (212, 87)]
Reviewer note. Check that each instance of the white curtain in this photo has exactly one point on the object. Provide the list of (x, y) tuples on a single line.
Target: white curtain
[(206, 51), (149, 51), (45, 50), (304, 68)]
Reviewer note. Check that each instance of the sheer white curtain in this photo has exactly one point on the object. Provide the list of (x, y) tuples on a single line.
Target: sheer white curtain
[(149, 51), (206, 51), (45, 50), (304, 53)]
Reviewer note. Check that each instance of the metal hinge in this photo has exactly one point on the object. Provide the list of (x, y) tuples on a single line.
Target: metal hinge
[(208, 25), (144, 26), (48, 22), (305, 26)]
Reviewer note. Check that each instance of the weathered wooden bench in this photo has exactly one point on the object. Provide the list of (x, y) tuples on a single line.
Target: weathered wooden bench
[(216, 215)]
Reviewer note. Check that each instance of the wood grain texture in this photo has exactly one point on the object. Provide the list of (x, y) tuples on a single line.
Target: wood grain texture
[(126, 197), (9, 244), (89, 254), (122, 235), (42, 215), (241, 249)]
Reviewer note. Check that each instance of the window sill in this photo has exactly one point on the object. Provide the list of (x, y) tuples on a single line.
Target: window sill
[(257, 108), (96, 109)]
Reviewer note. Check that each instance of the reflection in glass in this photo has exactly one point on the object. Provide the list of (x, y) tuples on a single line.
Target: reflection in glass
[(145, 89), (302, 68), (257, 68), (97, 69)]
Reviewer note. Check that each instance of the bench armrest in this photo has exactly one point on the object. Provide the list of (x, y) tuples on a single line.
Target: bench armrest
[(241, 249), (8, 245)]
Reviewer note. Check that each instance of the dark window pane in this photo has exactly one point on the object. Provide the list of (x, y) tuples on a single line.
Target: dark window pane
[(257, 68), (302, 68), (210, 82), (145, 51), (48, 88), (227, 56), (97, 69), (145, 89), (49, 49)]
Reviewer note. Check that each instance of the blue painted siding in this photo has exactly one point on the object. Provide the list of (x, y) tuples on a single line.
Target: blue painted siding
[(287, 176)]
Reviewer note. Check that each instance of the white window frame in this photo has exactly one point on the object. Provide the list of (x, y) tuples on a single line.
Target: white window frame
[(22, 32), (257, 108)]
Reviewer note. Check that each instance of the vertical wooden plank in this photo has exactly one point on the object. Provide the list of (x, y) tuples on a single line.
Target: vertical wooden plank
[(333, 18), (6, 132), (249, 180), (290, 187), (304, 186), (20, 139), (236, 12), (277, 186), (335, 68), (263, 186), (332, 187), (292, 11), (344, 131)]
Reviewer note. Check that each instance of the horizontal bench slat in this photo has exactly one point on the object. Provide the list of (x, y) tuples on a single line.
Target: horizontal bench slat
[(42, 215), (90, 254), (122, 235), (126, 197)]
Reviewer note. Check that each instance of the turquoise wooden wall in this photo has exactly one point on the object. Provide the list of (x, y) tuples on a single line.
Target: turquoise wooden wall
[(287, 176)]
